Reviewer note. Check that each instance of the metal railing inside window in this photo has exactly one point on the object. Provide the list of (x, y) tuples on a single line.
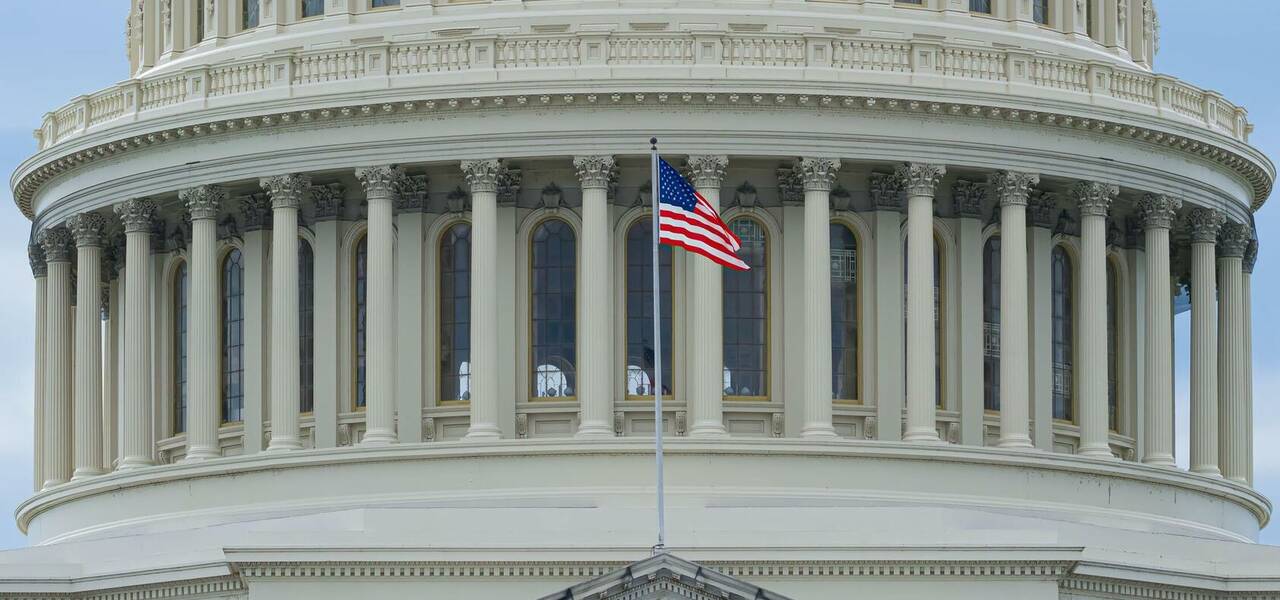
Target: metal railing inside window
[(181, 290)]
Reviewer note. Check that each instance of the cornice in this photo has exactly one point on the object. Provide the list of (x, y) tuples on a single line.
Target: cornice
[(103, 146)]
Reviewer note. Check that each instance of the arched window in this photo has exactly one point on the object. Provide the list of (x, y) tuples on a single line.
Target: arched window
[(1113, 308), (1064, 335), (249, 13), (844, 314), (180, 291), (455, 313), (746, 315), (991, 324), (312, 8), (639, 274), (939, 325), (232, 337), (360, 313), (554, 309), (306, 327)]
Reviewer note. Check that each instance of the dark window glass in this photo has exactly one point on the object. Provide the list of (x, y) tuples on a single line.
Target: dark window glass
[(980, 6), (181, 289), (361, 316), (200, 20), (1040, 11), (1113, 389), (232, 337), (312, 8), (639, 274), (1064, 336), (306, 327), (250, 14), (455, 313), (938, 299), (916, 2), (844, 314), (383, 3), (991, 324), (746, 315), (1089, 17), (553, 273)]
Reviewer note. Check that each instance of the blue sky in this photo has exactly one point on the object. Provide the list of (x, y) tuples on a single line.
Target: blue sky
[(61, 49)]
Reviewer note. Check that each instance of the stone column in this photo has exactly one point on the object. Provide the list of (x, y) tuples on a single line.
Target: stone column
[(482, 176), (819, 174), (595, 357), (381, 185), (40, 272), (135, 431), (1013, 190), (1157, 212), (56, 242), (286, 193), (87, 229), (1233, 240), (706, 310), (921, 180), (1204, 223), (1250, 258), (1094, 199), (203, 354)]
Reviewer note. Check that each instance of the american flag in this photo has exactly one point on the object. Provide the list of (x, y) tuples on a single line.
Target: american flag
[(687, 220)]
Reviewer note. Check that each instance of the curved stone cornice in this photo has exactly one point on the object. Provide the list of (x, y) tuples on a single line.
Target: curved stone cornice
[(87, 229), (595, 172), (287, 191), (818, 174), (1157, 211), (482, 175), (920, 179), (56, 242), (707, 171), (1094, 198), (203, 202), (381, 182), (1204, 225), (136, 214), (1012, 187), (35, 254), (1233, 239)]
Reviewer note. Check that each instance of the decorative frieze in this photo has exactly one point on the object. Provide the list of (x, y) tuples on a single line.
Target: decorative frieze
[(203, 202), (1094, 198), (1157, 211), (920, 179), (1012, 187), (595, 172), (968, 198), (87, 228), (457, 200), (818, 174), (1204, 224), (886, 191), (137, 214), (1233, 239), (286, 191), (552, 196), (745, 195)]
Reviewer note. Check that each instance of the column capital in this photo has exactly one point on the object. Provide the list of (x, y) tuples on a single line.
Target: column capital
[(1094, 197), (286, 191), (1233, 239), (886, 191), (707, 170), (921, 179), (255, 210), (35, 254), (328, 201), (382, 181), (56, 242), (1043, 208), (969, 198), (482, 175), (1204, 224), (1158, 210), (203, 202), (413, 193), (818, 174), (87, 229), (1250, 256), (595, 172), (137, 215), (1012, 187)]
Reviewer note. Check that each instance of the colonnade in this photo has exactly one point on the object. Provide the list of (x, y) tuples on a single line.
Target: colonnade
[(69, 389)]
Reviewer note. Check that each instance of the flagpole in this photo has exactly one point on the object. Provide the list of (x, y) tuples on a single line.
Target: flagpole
[(655, 191)]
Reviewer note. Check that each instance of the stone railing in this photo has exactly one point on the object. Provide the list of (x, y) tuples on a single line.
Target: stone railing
[(421, 65)]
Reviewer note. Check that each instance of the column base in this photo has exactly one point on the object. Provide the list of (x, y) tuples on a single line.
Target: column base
[(1020, 441), (284, 445), (708, 430), (83, 473), (928, 436), (1161, 460), (1099, 452), (194, 456), (1207, 471), (52, 483), (130, 463), (483, 432), (594, 430), (819, 431), (378, 437)]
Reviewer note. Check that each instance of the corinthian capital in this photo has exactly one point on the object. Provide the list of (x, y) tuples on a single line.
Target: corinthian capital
[(287, 191), (35, 253), (595, 172), (1204, 224), (87, 229), (482, 175), (1012, 188), (886, 191), (1043, 208), (969, 198), (382, 182), (1233, 239), (1158, 210), (1094, 197), (921, 179), (136, 214), (328, 201), (203, 202), (1250, 256), (818, 174), (706, 171), (56, 242)]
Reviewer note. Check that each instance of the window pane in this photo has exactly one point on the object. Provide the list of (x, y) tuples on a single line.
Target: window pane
[(455, 313), (382, 3), (639, 278), (200, 19), (980, 6), (1063, 336), (844, 314), (745, 315), (361, 313), (1040, 11), (249, 14), (180, 291), (991, 324), (306, 327), (1113, 390), (554, 310), (232, 337), (312, 8)]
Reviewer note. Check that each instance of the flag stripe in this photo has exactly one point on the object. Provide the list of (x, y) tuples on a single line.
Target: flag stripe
[(714, 253), (687, 220), (675, 215)]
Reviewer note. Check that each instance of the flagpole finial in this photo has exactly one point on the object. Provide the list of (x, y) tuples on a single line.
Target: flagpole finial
[(653, 142)]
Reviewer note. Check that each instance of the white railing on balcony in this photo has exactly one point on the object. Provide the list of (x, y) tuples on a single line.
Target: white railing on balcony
[(1011, 72)]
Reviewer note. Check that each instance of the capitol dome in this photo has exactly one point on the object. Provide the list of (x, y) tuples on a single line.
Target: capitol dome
[(351, 298)]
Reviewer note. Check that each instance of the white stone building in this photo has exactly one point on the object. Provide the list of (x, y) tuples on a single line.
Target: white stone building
[(349, 298)]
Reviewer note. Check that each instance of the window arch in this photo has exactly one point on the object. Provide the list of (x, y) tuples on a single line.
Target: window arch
[(553, 309), (1113, 314), (181, 290), (939, 315), (232, 336), (639, 324), (359, 318), (746, 315), (1063, 315), (845, 308), (455, 313), (306, 327), (991, 323)]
